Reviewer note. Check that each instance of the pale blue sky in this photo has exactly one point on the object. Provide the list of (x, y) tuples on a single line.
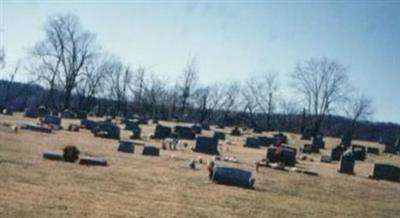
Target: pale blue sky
[(233, 39)]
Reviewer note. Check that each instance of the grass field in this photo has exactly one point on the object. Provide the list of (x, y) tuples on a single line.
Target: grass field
[(139, 186)]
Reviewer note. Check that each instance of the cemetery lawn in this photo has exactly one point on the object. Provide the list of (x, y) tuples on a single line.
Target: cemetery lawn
[(139, 186)]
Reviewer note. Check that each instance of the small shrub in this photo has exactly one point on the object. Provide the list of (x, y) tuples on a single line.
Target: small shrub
[(71, 153)]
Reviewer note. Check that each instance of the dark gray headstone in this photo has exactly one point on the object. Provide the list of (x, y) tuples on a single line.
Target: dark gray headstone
[(266, 141), (184, 132), (236, 132), (233, 176), (207, 145), (51, 155), (54, 120), (36, 128), (387, 172), (372, 150), (88, 124), (107, 130), (92, 161), (219, 135), (337, 152), (359, 152), (252, 142), (126, 147), (161, 132), (347, 162), (151, 151)]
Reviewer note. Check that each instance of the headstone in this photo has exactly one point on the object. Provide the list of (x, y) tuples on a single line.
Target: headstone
[(89, 124), (318, 141), (280, 137), (252, 142), (51, 155), (337, 152), (233, 176), (81, 114), (219, 135), (236, 132), (54, 120), (161, 132), (126, 147), (73, 128), (197, 129), (36, 128), (266, 141), (184, 132), (359, 152), (151, 151), (31, 112), (136, 132), (289, 155), (205, 126), (347, 162), (207, 145), (386, 172), (372, 150), (130, 125), (107, 130), (326, 159), (43, 111), (92, 161), (310, 148)]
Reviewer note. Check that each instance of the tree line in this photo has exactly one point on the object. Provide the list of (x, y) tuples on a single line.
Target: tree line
[(79, 75)]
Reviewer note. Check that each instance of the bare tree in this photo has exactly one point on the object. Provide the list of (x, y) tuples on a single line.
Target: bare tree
[(323, 83), (229, 101), (119, 78), (358, 107), (2, 58), (154, 93), (9, 84), (92, 81), (65, 51), (261, 95), (138, 89), (189, 79)]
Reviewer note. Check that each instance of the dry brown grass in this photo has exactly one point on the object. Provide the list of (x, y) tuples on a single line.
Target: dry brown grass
[(138, 186)]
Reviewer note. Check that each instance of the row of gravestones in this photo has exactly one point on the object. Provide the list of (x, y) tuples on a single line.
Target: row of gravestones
[(129, 147), (256, 142)]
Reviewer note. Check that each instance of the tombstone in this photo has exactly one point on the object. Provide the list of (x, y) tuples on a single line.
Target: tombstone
[(318, 141), (386, 172), (196, 128), (136, 132), (31, 112), (205, 126), (207, 145), (88, 124), (129, 125), (107, 130), (252, 142), (233, 176), (236, 132), (73, 128), (266, 141), (271, 154), (310, 148), (184, 132), (53, 120), (326, 159), (51, 155), (161, 132), (36, 128), (92, 161), (289, 155), (337, 152), (372, 150), (359, 152), (155, 121), (347, 162), (151, 151), (391, 149), (43, 111), (127, 147), (219, 135), (81, 114), (143, 121), (280, 137)]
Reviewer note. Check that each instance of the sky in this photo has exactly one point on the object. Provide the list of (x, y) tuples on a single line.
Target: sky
[(231, 40)]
